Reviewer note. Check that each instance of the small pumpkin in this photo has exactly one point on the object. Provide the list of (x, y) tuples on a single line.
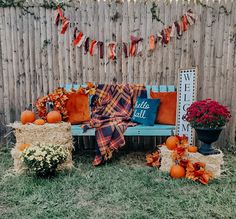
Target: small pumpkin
[(54, 117), (27, 116), (192, 149), (22, 147), (171, 142), (177, 171), (39, 122)]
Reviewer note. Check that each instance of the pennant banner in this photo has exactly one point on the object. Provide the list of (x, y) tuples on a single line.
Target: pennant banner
[(132, 48), (111, 50), (61, 19)]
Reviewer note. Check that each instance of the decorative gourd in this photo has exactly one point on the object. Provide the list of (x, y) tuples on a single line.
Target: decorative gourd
[(177, 171), (39, 122), (27, 116), (23, 147), (192, 149), (172, 142), (54, 117)]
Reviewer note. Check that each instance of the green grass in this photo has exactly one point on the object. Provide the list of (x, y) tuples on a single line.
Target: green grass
[(124, 188)]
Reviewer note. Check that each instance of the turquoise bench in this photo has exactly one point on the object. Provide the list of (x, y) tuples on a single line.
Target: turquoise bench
[(139, 130)]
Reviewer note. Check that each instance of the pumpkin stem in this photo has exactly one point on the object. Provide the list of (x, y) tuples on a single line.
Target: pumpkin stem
[(29, 107)]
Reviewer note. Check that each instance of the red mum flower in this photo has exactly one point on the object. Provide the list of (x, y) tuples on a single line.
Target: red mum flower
[(208, 114)]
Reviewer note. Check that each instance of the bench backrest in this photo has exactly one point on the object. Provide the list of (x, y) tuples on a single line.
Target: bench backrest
[(156, 88)]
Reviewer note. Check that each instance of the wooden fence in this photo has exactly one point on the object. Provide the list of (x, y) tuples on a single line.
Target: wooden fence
[(35, 58)]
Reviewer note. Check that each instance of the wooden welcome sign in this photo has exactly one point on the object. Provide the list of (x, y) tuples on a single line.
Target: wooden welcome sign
[(187, 93)]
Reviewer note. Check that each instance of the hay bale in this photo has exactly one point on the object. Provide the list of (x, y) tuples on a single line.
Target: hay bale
[(59, 134), (213, 162)]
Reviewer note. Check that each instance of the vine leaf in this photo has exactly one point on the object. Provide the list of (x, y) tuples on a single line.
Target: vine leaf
[(154, 15)]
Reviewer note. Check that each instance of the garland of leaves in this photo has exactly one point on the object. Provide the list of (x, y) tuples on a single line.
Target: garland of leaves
[(154, 15), (58, 97), (194, 171)]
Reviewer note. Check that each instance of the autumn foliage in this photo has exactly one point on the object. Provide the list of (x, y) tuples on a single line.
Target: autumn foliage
[(59, 99), (207, 114), (183, 167), (154, 159), (194, 171)]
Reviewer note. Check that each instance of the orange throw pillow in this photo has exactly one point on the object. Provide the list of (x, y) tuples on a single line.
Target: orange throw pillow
[(78, 108), (167, 109)]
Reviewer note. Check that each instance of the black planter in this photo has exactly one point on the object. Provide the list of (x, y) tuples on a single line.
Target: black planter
[(208, 136)]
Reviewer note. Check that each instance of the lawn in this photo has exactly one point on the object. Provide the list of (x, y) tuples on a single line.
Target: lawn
[(124, 188)]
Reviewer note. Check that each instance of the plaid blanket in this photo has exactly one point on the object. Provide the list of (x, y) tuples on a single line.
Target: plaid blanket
[(112, 107)]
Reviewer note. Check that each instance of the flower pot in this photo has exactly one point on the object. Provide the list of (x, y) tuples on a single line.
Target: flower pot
[(208, 136)]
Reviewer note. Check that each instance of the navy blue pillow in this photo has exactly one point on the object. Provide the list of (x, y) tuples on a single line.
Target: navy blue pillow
[(145, 111)]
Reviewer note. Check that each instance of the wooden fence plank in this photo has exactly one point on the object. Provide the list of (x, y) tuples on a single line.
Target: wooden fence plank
[(96, 36), (101, 18), (171, 71), (178, 41), (61, 59), (85, 30), (8, 26), (231, 55), (129, 33), (219, 53), (38, 66), (2, 113), (55, 52), (165, 57), (5, 71), (212, 67), (72, 55), (33, 73), (136, 33), (43, 49), (49, 49), (145, 42), (112, 37), (67, 47), (15, 56), (107, 39), (78, 51), (26, 59), (228, 11), (207, 51), (119, 40), (125, 40), (91, 36), (148, 32)]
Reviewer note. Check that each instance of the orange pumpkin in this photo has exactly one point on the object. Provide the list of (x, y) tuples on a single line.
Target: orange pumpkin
[(54, 117), (149, 159), (192, 149), (177, 171), (23, 147), (172, 142), (27, 116), (39, 122)]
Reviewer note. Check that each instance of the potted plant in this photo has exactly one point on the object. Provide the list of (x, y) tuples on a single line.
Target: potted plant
[(208, 118), (43, 159)]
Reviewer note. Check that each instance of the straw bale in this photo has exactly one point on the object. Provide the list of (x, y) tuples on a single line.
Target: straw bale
[(59, 134), (213, 162)]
